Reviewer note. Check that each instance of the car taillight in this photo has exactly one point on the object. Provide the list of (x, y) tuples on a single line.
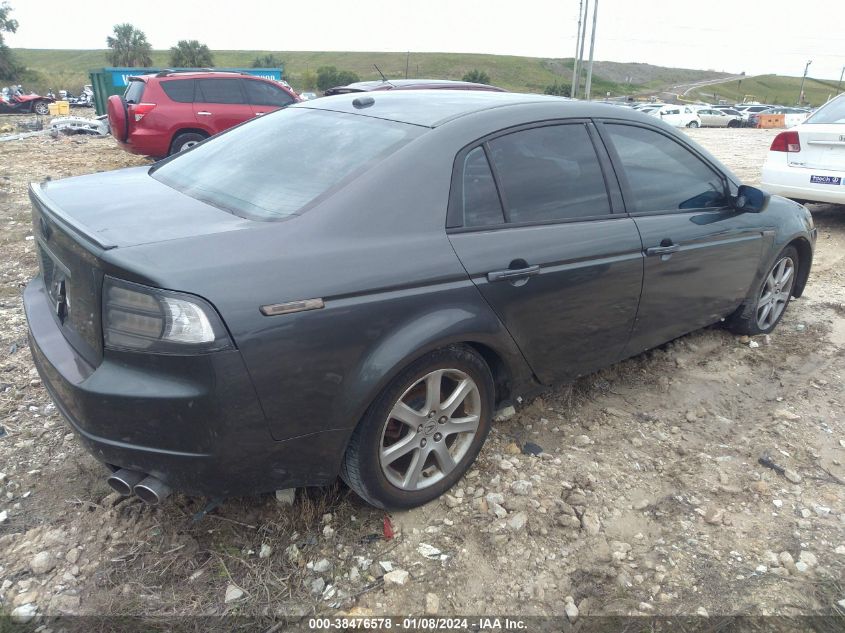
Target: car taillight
[(143, 319), (139, 110), (786, 142)]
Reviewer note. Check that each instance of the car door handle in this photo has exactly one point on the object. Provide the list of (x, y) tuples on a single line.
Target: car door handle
[(662, 250), (260, 113), (512, 274), (203, 113)]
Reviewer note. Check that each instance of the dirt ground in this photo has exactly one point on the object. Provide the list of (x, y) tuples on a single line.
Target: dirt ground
[(648, 498)]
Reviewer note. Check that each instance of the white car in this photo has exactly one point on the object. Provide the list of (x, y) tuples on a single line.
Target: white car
[(677, 115), (807, 162), (710, 117)]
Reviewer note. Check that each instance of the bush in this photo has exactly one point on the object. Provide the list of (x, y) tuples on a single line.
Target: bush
[(477, 77), (309, 81), (267, 61), (558, 90), (329, 77)]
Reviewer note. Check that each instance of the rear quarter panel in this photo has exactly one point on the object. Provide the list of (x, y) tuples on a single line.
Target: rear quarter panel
[(376, 253)]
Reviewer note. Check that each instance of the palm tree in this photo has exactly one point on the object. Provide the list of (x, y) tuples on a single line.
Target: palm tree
[(190, 54), (129, 47)]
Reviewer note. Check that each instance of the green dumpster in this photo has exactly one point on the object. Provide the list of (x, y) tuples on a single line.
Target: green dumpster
[(113, 81)]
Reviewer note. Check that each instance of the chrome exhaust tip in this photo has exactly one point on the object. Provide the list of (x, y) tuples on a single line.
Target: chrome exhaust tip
[(152, 491), (123, 481)]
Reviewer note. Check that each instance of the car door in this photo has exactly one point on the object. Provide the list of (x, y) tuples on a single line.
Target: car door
[(264, 97), (700, 254), (220, 103), (534, 217), (713, 118), (671, 115)]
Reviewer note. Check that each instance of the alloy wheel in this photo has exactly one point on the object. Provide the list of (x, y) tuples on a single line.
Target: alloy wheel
[(430, 429), (775, 293)]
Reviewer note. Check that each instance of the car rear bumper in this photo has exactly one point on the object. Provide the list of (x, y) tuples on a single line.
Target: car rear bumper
[(147, 143), (780, 178), (193, 422)]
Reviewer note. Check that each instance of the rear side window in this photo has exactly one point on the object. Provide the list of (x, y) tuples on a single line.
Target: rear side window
[(179, 90), (662, 174), (549, 174), (219, 91), (266, 94), (480, 199), (278, 164), (134, 91)]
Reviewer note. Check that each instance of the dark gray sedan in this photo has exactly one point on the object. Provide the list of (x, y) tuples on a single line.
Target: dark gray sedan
[(353, 285)]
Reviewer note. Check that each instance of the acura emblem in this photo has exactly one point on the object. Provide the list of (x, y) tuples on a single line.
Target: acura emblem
[(61, 300)]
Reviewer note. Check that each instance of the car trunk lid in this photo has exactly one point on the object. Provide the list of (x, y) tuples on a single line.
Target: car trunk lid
[(77, 221), (822, 147), (72, 277)]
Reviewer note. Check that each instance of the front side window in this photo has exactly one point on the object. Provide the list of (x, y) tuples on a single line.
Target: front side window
[(262, 93), (219, 91), (662, 174), (549, 174)]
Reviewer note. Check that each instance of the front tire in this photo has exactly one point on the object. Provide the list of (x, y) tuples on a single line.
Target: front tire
[(41, 107), (692, 124), (764, 309), (423, 431)]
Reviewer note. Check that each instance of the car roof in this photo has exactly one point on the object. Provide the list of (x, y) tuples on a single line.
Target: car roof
[(193, 74), (411, 84), (428, 108), (433, 108)]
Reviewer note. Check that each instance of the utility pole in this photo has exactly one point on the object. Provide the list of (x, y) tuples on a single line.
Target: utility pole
[(839, 85), (581, 51), (573, 89), (592, 48), (407, 60), (801, 94)]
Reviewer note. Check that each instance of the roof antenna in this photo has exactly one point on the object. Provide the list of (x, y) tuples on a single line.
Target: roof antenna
[(378, 70)]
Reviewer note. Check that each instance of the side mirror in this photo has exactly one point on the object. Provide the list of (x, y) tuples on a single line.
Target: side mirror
[(750, 200)]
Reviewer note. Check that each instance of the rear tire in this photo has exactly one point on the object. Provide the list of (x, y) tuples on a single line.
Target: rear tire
[(766, 305), (692, 124), (185, 141), (41, 107), (445, 400)]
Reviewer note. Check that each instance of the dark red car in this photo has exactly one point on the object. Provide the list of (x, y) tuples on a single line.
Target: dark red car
[(163, 114)]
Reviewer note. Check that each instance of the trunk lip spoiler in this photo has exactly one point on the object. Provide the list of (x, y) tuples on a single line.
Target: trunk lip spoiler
[(48, 206)]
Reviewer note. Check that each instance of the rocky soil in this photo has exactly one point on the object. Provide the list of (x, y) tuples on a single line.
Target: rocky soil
[(705, 477)]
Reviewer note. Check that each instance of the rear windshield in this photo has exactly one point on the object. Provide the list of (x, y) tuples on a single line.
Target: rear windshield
[(831, 112), (275, 166), (134, 91)]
